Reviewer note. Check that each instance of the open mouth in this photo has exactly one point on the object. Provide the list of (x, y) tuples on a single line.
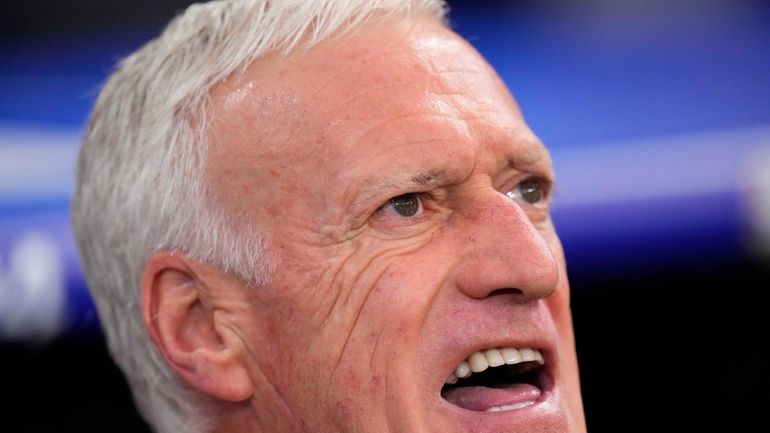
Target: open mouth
[(496, 380)]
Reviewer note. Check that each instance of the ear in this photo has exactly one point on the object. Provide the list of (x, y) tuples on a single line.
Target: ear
[(179, 316)]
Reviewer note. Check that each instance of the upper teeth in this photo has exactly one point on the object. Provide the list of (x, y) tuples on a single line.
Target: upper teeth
[(480, 361)]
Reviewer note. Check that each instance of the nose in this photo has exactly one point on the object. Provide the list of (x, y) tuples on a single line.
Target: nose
[(502, 250)]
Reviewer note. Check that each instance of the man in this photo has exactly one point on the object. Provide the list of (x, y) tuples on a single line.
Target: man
[(325, 216)]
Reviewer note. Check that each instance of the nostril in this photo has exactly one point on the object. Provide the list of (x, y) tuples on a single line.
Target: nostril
[(516, 294)]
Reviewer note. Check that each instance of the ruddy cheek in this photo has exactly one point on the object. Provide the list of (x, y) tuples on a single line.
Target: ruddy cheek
[(376, 383)]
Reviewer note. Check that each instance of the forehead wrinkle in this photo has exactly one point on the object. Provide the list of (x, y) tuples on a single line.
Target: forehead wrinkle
[(435, 59), (431, 71), (466, 68), (372, 129), (449, 105), (399, 58), (372, 89), (463, 72), (342, 75), (426, 65), (441, 87)]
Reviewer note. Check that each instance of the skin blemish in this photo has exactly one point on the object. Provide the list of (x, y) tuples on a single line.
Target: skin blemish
[(376, 381)]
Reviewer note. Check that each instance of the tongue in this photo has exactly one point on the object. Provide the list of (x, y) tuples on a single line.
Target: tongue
[(481, 398)]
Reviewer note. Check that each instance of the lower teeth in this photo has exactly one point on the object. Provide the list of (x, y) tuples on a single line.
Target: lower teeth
[(508, 407)]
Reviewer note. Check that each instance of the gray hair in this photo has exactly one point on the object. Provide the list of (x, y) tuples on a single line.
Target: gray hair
[(141, 188)]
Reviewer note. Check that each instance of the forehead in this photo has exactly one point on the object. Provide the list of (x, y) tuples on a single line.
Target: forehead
[(393, 93)]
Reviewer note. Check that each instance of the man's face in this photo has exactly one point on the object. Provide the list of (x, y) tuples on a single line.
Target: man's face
[(406, 203)]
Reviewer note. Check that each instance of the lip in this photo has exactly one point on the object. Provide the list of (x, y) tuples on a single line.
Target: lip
[(545, 415)]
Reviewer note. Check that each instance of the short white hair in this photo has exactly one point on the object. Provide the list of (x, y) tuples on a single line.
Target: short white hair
[(141, 187)]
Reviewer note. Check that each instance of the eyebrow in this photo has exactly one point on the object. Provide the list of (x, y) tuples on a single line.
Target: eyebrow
[(537, 158), (430, 178), (418, 180), (424, 179)]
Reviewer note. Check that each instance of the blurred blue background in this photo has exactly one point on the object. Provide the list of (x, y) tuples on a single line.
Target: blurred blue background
[(657, 114)]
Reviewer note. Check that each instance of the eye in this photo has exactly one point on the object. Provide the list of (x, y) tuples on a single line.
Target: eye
[(531, 191), (405, 205)]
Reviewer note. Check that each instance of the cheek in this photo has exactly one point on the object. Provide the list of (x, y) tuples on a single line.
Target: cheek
[(408, 288), (384, 312), (343, 327), (390, 311), (381, 346), (391, 286)]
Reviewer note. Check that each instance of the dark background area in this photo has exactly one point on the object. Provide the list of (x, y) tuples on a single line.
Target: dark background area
[(669, 340)]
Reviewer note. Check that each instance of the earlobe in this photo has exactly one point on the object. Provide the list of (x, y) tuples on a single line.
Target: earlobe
[(182, 322)]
